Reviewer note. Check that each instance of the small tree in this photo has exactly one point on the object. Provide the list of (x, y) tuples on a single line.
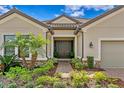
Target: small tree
[(33, 42), (36, 46)]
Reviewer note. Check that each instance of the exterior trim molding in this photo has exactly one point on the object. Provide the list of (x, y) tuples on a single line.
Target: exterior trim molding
[(63, 15)]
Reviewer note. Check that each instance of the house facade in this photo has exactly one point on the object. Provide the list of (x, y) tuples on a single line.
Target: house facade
[(101, 37)]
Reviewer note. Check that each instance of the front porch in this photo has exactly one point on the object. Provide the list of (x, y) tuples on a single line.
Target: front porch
[(64, 47)]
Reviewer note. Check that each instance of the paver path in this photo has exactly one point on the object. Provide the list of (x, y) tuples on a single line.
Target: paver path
[(115, 72), (64, 67)]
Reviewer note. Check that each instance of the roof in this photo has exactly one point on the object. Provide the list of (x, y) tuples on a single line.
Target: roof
[(63, 15), (14, 10), (100, 17), (103, 15), (79, 22), (82, 20)]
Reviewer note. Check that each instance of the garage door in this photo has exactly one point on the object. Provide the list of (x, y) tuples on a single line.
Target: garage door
[(112, 54)]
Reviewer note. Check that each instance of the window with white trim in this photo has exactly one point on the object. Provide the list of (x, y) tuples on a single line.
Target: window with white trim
[(10, 50)]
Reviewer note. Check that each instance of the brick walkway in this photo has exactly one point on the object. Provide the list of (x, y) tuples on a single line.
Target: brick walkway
[(64, 67)]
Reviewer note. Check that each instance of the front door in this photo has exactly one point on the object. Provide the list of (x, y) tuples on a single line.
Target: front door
[(63, 48)]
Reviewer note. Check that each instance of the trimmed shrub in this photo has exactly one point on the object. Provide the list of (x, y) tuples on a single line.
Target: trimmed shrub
[(59, 85), (46, 80), (12, 85), (100, 76), (98, 86), (40, 86), (29, 85), (25, 77), (1, 85), (52, 60), (76, 62), (113, 86), (19, 73), (79, 79), (90, 62), (79, 66), (58, 75), (43, 69)]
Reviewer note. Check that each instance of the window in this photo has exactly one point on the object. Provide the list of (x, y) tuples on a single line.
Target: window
[(9, 50)]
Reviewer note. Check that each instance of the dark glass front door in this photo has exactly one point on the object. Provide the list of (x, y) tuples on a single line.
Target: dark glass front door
[(63, 48)]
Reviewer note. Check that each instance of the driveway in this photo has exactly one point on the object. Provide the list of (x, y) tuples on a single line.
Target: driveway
[(115, 72)]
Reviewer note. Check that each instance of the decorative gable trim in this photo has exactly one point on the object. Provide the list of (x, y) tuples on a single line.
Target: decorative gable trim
[(63, 15)]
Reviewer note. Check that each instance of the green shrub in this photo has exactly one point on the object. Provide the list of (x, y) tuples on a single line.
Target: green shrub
[(113, 86), (43, 69), (79, 79), (58, 75), (100, 76), (12, 85), (59, 85), (46, 80), (17, 72), (9, 61), (1, 85), (90, 62), (29, 85), (25, 77), (76, 62), (79, 66), (98, 86), (52, 60), (40, 86)]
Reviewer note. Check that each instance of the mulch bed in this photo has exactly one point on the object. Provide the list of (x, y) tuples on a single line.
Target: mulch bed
[(120, 82), (52, 71), (94, 69)]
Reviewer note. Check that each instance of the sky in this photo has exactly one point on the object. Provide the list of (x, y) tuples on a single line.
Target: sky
[(48, 12)]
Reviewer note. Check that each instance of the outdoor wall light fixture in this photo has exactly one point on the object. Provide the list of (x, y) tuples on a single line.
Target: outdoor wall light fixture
[(91, 45)]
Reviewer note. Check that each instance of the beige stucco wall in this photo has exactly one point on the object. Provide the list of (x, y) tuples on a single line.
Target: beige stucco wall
[(16, 23), (111, 27), (63, 20)]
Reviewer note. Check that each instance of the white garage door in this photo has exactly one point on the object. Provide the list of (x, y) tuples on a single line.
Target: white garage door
[(112, 53)]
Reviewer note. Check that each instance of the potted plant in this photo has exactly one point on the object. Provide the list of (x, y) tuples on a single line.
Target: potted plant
[(71, 54), (56, 55)]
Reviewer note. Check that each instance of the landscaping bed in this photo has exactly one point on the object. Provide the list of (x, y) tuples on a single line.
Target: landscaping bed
[(52, 71), (19, 77), (44, 76)]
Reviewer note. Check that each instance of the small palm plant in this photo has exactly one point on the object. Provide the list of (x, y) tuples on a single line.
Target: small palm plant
[(9, 61), (36, 46), (34, 43)]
